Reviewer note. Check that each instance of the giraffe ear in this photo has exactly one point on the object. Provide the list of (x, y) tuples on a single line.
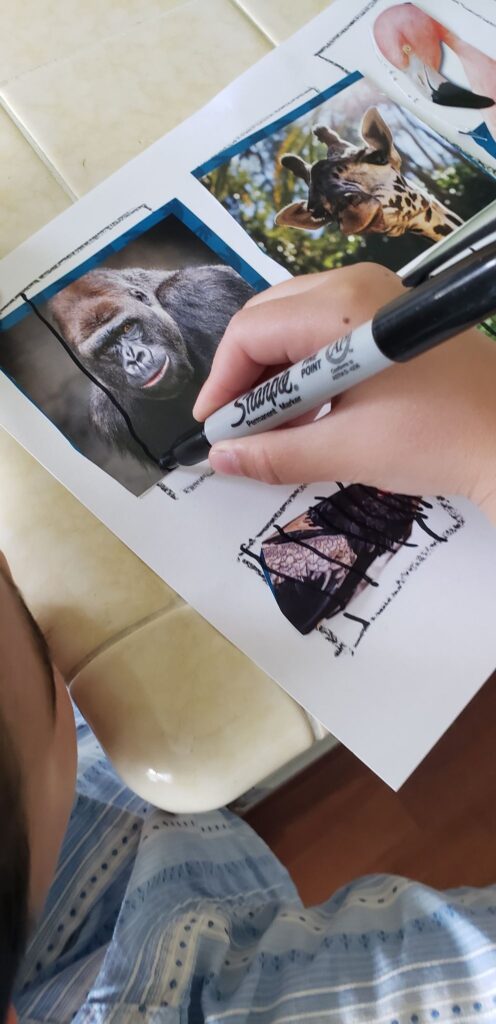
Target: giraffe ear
[(297, 215), (297, 165), (377, 134)]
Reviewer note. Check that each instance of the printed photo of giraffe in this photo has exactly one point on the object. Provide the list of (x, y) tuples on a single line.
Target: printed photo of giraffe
[(354, 178)]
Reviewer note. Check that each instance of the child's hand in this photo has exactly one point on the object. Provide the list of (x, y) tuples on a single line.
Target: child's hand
[(424, 427)]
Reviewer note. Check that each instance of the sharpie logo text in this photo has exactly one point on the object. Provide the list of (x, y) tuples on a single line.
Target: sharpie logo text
[(337, 352), (310, 365), (267, 393)]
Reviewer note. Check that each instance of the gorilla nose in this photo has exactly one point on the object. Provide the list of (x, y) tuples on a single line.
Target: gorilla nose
[(135, 355)]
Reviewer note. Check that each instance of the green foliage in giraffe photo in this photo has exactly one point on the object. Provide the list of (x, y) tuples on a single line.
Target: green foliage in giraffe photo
[(253, 185)]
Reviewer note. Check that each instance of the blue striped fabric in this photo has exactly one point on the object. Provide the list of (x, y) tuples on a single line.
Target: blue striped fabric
[(159, 918)]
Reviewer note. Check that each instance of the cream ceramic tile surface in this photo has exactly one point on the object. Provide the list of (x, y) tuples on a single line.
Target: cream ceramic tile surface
[(163, 690), (90, 113), (34, 33), (91, 85), (29, 195), (188, 721), (81, 582), (280, 18)]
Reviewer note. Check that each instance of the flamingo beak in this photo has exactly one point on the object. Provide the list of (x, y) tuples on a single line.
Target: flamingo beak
[(438, 89)]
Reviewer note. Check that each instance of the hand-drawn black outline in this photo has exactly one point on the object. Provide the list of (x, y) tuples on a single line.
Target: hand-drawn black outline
[(365, 10), (269, 117), (340, 646), (75, 252)]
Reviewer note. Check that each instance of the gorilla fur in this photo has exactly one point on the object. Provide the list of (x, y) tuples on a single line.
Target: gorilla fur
[(149, 336)]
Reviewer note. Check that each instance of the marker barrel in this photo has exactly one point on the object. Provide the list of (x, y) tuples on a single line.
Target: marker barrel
[(417, 320), (304, 386)]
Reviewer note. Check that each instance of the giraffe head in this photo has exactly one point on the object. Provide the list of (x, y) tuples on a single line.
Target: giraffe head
[(362, 188)]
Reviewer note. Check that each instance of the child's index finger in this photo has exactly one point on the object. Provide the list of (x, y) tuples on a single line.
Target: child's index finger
[(294, 320), (255, 338), (221, 387), (267, 334)]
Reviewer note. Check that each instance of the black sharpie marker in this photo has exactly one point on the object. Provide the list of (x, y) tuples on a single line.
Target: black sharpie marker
[(438, 309)]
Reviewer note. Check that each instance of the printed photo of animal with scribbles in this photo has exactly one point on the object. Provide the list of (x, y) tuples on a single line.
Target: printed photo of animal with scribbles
[(325, 561), (353, 178)]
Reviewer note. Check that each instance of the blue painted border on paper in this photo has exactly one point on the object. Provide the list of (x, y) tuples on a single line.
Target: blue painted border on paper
[(274, 126), (322, 97), (173, 208)]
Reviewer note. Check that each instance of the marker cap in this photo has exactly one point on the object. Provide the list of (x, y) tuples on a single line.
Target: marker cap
[(188, 451)]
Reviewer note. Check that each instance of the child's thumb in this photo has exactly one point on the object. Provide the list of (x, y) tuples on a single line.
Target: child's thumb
[(291, 455)]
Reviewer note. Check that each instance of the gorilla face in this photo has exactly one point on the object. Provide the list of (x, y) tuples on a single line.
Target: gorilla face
[(149, 337), (140, 349), (124, 336)]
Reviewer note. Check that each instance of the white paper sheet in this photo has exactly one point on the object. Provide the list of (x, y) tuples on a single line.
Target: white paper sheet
[(388, 681)]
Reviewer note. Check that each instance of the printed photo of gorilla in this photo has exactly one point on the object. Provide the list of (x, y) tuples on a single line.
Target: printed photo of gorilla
[(150, 337), (146, 325)]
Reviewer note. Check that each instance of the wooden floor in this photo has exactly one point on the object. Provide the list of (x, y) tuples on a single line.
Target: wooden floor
[(337, 820)]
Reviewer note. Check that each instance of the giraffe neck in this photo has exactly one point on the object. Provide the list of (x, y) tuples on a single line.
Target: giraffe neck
[(430, 218)]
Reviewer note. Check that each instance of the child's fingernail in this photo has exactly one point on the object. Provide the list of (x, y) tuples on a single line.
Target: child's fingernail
[(200, 402), (225, 461)]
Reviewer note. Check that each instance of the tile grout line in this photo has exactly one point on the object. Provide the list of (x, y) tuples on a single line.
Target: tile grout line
[(122, 32), (254, 21), (27, 134), (31, 139), (78, 50), (121, 635), (35, 146)]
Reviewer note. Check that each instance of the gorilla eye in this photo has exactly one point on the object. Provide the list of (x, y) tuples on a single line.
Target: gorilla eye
[(140, 296), (126, 328)]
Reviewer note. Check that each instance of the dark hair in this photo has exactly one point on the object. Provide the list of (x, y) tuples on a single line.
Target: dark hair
[(14, 869)]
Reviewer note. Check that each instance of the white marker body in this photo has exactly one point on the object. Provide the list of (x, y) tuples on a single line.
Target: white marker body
[(302, 387)]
